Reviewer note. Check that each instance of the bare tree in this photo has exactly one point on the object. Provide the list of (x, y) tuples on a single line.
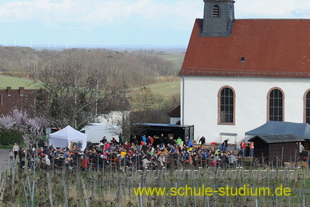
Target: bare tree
[(152, 108), (79, 84), (76, 91)]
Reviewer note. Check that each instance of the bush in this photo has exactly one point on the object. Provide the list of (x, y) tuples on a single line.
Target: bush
[(10, 137)]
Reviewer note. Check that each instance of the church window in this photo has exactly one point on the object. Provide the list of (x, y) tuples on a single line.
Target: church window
[(276, 103), (226, 105), (215, 11), (307, 107)]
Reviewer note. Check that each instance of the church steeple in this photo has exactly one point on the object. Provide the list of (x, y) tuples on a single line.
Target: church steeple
[(218, 19)]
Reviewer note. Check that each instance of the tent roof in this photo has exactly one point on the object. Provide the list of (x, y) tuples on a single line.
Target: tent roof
[(68, 133), (270, 139), (281, 128)]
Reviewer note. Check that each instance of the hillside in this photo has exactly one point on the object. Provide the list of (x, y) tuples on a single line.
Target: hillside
[(176, 58), (82, 82), (166, 89), (130, 68)]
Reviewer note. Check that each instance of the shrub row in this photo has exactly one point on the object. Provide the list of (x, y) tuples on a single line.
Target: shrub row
[(8, 137)]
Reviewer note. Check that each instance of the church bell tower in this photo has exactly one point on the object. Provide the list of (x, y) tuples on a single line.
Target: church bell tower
[(218, 19)]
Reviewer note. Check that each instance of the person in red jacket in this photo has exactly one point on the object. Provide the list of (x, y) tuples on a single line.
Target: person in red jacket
[(242, 147), (151, 140), (251, 149), (84, 163)]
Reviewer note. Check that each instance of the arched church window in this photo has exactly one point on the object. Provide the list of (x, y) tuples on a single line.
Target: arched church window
[(215, 11), (226, 105), (307, 107), (275, 104)]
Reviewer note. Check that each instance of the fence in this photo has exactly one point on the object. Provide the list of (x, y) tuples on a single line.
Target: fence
[(114, 186)]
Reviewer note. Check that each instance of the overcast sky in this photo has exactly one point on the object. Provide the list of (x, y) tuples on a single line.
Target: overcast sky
[(121, 22)]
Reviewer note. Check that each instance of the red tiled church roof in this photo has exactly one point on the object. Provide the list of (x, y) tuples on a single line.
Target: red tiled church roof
[(256, 47)]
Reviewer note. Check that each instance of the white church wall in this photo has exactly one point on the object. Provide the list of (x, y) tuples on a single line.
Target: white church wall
[(200, 104)]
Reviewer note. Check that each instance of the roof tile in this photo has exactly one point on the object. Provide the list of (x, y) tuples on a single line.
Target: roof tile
[(256, 47)]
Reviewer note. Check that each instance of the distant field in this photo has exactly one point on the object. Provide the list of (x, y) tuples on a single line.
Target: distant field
[(166, 88), (176, 58), (162, 89), (15, 83), (169, 88)]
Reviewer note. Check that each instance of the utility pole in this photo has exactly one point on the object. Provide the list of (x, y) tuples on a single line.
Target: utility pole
[(75, 103), (97, 88)]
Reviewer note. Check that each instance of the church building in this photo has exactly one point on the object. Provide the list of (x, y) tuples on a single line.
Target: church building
[(239, 74)]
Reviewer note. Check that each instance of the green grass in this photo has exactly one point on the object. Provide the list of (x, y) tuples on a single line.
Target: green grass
[(166, 89), (10, 146), (15, 83), (163, 88)]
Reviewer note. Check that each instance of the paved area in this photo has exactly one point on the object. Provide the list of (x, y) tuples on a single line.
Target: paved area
[(4, 157)]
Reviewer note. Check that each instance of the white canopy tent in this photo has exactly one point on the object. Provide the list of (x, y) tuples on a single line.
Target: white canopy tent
[(68, 137)]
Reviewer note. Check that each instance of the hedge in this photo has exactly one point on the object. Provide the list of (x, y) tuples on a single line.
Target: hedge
[(8, 137)]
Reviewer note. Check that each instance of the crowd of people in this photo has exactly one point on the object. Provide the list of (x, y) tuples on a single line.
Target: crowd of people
[(145, 152)]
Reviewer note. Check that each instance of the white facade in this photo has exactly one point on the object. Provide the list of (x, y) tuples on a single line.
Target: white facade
[(113, 117), (199, 103), (96, 131)]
